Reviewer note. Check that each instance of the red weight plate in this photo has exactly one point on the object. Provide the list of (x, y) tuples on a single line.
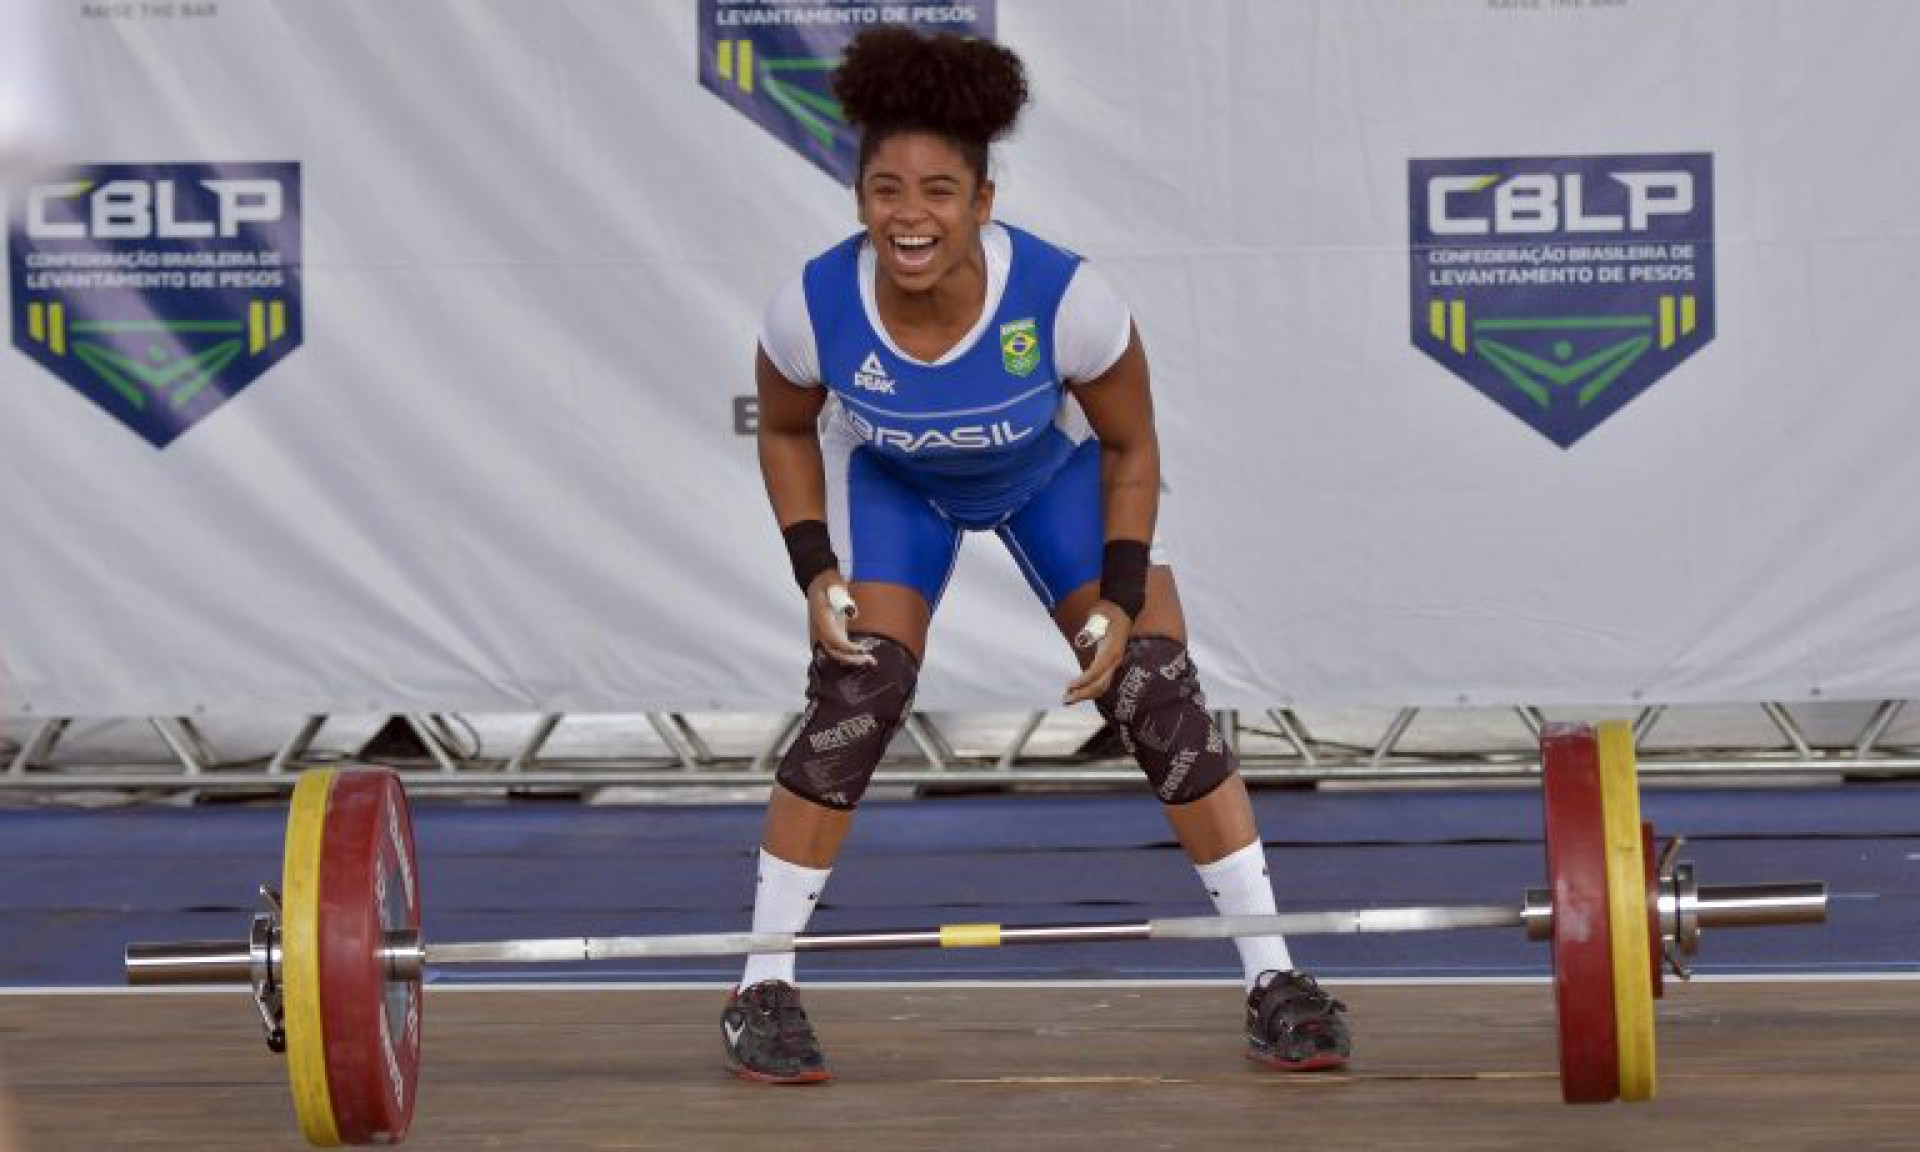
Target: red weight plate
[(1655, 944), (369, 886), (1582, 940)]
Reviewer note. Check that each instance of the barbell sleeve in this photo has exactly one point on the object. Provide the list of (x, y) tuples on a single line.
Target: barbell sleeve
[(190, 962)]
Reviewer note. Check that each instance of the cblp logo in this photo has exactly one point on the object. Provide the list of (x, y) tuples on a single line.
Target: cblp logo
[(1562, 287), (158, 291)]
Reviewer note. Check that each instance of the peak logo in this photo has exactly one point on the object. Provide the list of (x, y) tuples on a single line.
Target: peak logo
[(872, 376), (158, 291), (1562, 287)]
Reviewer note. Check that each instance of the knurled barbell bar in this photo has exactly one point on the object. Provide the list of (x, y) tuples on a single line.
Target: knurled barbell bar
[(336, 963)]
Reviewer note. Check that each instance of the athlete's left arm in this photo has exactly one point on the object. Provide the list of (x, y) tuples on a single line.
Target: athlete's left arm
[(1119, 406)]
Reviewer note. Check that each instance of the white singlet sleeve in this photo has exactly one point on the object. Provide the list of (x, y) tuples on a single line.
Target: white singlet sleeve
[(786, 333), (1092, 328)]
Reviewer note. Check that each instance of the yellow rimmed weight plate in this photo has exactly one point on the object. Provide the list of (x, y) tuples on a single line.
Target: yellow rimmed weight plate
[(1627, 910), (300, 959)]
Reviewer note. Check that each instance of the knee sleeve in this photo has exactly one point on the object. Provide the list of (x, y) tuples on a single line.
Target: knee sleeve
[(1156, 703), (851, 715)]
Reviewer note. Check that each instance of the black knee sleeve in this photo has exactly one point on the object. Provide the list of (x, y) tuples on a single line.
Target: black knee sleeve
[(1156, 702), (851, 715)]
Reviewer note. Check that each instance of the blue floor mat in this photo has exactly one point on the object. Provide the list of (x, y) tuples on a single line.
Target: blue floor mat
[(81, 884)]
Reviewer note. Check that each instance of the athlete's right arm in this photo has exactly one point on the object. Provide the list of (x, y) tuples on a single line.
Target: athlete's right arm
[(796, 480), (790, 444)]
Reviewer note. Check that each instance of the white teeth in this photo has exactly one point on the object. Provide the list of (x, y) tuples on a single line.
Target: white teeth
[(913, 241)]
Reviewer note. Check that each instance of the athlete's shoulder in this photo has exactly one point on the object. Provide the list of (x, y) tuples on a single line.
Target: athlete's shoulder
[(842, 254), (786, 333), (832, 278), (1038, 267), (1027, 244)]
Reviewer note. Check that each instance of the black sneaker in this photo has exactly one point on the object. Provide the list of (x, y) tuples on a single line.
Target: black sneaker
[(768, 1037), (1293, 1025)]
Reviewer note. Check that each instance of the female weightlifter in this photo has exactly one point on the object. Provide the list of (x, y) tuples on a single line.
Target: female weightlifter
[(939, 373)]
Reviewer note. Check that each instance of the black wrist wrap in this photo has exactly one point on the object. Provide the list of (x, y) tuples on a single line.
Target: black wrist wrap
[(810, 549), (1123, 575)]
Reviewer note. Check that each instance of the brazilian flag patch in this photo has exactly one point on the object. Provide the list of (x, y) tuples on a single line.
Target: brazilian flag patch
[(1020, 346)]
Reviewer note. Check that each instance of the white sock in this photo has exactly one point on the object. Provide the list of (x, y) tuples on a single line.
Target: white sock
[(782, 902), (1239, 886)]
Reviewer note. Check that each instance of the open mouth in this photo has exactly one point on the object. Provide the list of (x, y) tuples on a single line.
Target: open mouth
[(913, 251)]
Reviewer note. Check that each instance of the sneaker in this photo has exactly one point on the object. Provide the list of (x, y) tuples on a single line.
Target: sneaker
[(769, 1038), (1293, 1025)]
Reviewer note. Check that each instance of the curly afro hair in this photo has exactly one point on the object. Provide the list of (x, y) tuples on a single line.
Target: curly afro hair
[(894, 79)]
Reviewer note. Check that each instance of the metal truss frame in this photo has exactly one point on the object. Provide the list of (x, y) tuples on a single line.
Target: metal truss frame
[(925, 756)]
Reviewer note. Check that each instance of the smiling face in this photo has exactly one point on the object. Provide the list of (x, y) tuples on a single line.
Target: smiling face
[(923, 205)]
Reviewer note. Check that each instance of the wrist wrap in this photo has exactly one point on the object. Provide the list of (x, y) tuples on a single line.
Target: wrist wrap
[(810, 549), (1123, 575)]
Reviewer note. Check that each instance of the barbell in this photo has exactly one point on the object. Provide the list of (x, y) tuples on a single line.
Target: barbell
[(336, 960)]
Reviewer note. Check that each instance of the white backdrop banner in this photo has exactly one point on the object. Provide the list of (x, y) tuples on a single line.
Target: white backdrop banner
[(369, 355)]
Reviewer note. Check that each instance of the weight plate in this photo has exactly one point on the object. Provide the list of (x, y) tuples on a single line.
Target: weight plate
[(1582, 940), (1627, 910), (300, 959), (369, 887)]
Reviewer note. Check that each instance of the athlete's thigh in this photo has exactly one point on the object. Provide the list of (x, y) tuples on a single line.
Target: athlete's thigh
[(1160, 616), (894, 611), (896, 550), (1059, 541), (1056, 537)]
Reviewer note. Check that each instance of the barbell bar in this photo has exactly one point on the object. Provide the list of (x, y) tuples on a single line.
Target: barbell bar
[(337, 962), (406, 956)]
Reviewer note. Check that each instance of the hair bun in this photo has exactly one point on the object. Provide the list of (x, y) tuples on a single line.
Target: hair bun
[(894, 77)]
